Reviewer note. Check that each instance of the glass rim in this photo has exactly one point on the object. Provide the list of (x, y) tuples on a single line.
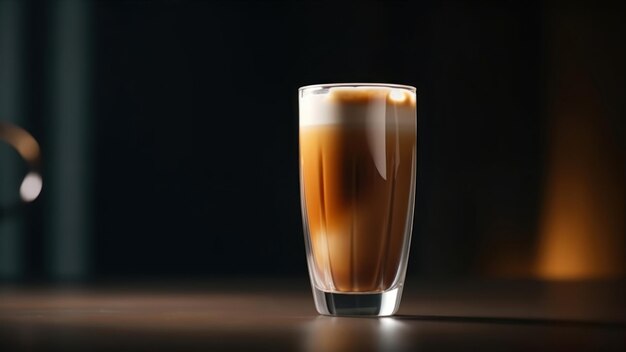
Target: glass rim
[(332, 85)]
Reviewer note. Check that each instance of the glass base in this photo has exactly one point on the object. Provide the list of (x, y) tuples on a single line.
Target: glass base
[(358, 304)]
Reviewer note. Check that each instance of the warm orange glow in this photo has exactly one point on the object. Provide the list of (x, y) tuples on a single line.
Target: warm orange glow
[(583, 229), (21, 140)]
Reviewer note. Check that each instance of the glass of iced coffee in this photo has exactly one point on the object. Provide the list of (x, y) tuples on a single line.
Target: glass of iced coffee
[(357, 181)]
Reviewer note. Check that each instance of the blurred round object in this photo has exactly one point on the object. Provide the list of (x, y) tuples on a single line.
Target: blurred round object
[(28, 149)]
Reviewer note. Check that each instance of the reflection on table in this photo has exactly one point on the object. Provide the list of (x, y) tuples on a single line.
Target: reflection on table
[(246, 316)]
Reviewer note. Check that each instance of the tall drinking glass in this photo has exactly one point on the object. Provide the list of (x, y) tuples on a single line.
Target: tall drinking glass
[(357, 182)]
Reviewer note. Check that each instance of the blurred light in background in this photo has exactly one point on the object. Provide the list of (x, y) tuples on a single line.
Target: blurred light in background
[(31, 187), (68, 148), (583, 231), (11, 228), (24, 143), (28, 148)]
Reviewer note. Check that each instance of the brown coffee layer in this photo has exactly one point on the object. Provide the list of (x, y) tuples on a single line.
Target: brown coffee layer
[(357, 215)]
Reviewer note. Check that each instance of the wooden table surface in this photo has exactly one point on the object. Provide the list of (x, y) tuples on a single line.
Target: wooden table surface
[(275, 315)]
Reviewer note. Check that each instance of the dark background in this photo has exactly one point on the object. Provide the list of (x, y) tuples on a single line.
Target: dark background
[(170, 135)]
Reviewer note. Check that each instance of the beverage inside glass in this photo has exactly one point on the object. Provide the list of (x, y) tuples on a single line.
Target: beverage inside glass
[(357, 179)]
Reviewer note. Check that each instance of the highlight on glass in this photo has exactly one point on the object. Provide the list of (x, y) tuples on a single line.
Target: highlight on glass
[(357, 180)]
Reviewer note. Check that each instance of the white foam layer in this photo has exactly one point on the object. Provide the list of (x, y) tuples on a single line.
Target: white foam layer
[(357, 105)]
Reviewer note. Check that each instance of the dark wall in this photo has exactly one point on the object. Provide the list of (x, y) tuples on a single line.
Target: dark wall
[(196, 118), (193, 148)]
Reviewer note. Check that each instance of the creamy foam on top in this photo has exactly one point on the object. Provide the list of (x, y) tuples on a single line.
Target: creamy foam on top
[(352, 104)]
